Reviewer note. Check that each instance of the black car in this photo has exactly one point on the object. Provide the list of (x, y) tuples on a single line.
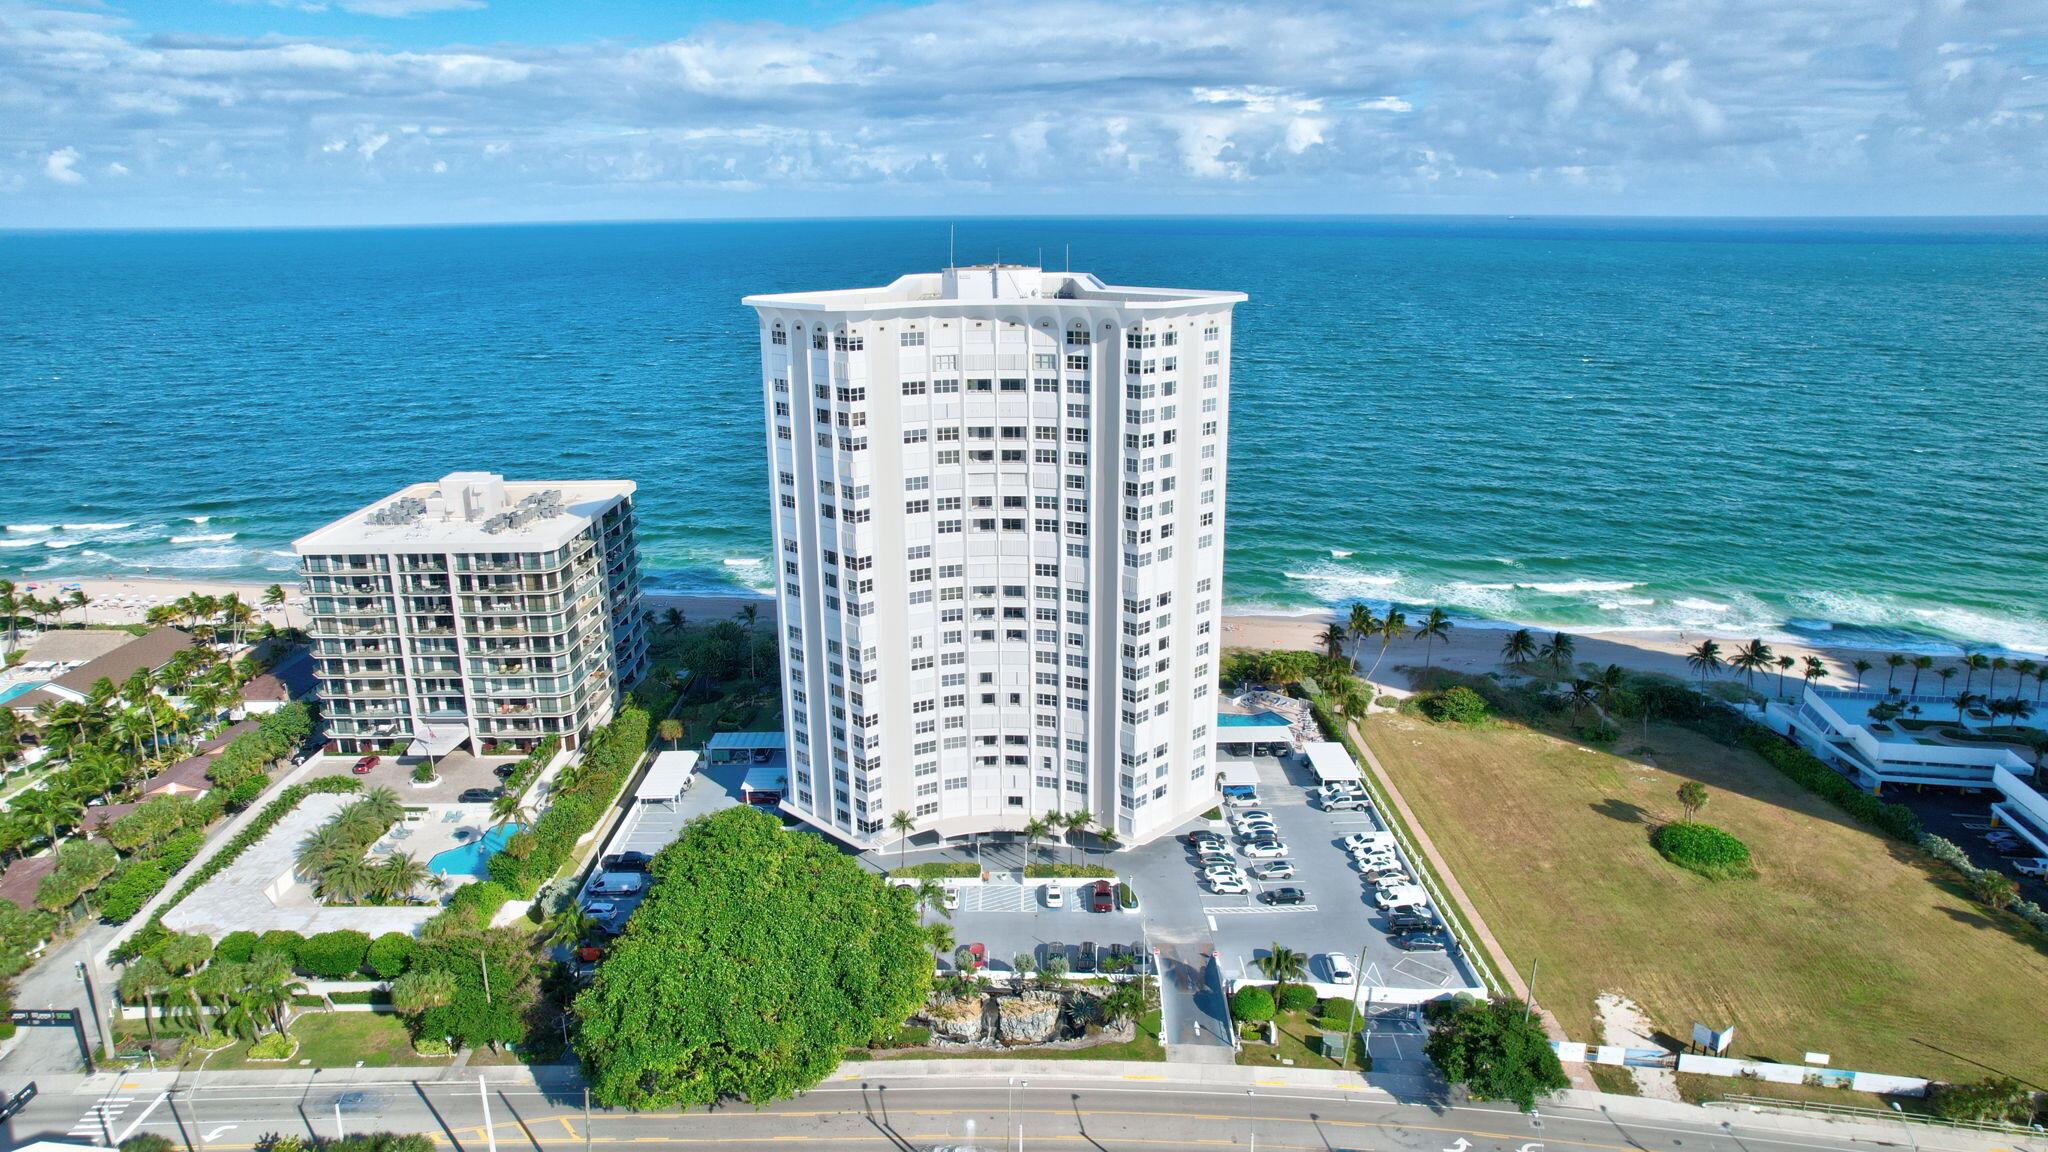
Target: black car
[(1285, 896), (1410, 925), (480, 795), (1420, 942), (1201, 838), (1053, 948), (1084, 959), (504, 771), (627, 862)]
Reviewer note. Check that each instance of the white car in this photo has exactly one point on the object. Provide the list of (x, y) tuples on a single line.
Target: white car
[(1338, 965), (949, 896), (1227, 885), (1274, 870), (1397, 895), (1249, 815), (2038, 866), (1220, 871), (1257, 831), (1054, 895), (1266, 849), (1359, 840), (600, 909), (1367, 861)]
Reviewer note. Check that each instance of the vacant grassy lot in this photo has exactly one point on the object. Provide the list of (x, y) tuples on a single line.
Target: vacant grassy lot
[(1844, 943)]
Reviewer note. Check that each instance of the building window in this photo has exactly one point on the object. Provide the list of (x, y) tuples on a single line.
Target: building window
[(910, 339)]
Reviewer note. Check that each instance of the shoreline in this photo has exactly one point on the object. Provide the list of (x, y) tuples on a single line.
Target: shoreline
[(1474, 646)]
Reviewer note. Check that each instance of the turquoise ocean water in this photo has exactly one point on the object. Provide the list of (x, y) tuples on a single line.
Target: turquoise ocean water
[(1831, 429)]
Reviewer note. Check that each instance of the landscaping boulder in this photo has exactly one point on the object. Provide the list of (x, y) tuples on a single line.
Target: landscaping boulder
[(956, 1020), (1032, 1018)]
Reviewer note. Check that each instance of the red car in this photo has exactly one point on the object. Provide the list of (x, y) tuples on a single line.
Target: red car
[(365, 764), (1101, 898)]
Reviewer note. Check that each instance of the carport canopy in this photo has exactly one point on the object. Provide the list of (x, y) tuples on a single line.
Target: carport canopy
[(1330, 762), (743, 741), (764, 779), (667, 777), (437, 739), (1237, 772)]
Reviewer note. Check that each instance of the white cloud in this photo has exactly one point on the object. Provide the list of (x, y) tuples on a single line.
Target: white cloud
[(1658, 105), (60, 166), (395, 9)]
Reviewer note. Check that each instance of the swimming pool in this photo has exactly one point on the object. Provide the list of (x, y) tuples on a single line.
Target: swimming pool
[(468, 859), (22, 689), (1257, 720)]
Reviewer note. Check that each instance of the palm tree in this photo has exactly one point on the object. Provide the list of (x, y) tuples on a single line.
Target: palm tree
[(1892, 664), (350, 880), (1393, 626), (399, 876), (1583, 694), (1557, 652), (1105, 836), (940, 934), (1281, 964), (1784, 663), (79, 600), (273, 596), (1974, 663), (1033, 829), (145, 977), (1705, 659), (1609, 684), (672, 619), (571, 926), (1998, 664), (1751, 658), (10, 607), (1519, 648), (748, 615), (1361, 625), (901, 823), (2021, 670), (2040, 681), (1816, 669), (1076, 823), (1332, 639), (510, 809), (670, 731), (1947, 673), (1861, 666), (1434, 627), (1920, 664), (1963, 700)]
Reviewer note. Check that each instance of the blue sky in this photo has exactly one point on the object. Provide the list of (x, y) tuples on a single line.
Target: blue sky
[(335, 112)]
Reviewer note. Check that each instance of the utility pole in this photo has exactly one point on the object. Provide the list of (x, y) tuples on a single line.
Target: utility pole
[(1528, 1006), (1357, 978), (586, 1120), (92, 1001)]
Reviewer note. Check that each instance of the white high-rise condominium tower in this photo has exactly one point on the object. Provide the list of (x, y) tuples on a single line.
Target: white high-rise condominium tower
[(475, 611), (998, 497)]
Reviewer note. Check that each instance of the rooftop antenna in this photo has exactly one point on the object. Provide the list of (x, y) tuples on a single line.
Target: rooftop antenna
[(949, 246)]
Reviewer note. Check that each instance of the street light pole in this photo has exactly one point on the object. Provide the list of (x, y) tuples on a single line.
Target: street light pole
[(1020, 1124), (92, 1001), (1357, 978)]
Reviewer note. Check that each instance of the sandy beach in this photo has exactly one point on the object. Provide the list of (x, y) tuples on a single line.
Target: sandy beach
[(1470, 649)]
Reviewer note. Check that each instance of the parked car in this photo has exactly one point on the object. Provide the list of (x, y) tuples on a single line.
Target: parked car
[(1101, 897), (1216, 870), (1249, 815), (1257, 828), (1345, 804), (1383, 876), (1357, 840), (480, 795), (1285, 896), (504, 771), (1053, 895), (949, 895), (1410, 925), (2037, 866), (627, 862), (1211, 859), (617, 882), (1274, 870), (1420, 942), (1228, 885), (1052, 948), (1084, 957), (1400, 895), (1201, 837), (1241, 800), (1266, 849), (1338, 966), (366, 763), (600, 909)]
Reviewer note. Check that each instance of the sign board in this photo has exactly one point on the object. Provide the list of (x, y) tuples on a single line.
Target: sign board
[(1712, 1041), (1817, 1058), (43, 1017)]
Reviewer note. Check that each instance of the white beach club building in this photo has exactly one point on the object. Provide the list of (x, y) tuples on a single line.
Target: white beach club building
[(998, 504), (1838, 727)]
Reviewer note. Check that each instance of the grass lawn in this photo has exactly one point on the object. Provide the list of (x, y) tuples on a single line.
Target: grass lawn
[(1301, 1045), (331, 1040), (1845, 942)]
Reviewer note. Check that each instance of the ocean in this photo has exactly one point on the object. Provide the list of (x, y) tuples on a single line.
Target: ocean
[(1823, 429)]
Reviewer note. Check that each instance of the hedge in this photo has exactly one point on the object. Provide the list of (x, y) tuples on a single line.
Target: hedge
[(333, 955), (283, 941), (937, 870), (255, 830), (132, 886), (235, 947), (1296, 998), (1068, 871), (1894, 820), (1457, 705), (529, 767), (388, 955), (609, 758)]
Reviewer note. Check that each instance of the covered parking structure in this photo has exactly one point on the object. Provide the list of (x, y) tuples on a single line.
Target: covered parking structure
[(1331, 763), (743, 747), (1263, 733)]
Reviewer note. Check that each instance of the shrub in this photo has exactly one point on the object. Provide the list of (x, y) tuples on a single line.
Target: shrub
[(1993, 1099), (235, 948), (131, 887), (281, 940), (479, 901), (179, 850), (273, 1046), (1296, 998), (334, 955), (1068, 871), (1704, 849), (1598, 732), (937, 870), (423, 773), (609, 757), (1458, 705), (1386, 701), (148, 1142), (388, 955), (1252, 1002)]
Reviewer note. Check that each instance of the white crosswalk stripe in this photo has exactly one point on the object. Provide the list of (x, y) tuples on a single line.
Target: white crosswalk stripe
[(1236, 909), (100, 1118)]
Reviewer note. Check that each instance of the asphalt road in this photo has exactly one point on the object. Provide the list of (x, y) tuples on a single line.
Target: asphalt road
[(1081, 1111)]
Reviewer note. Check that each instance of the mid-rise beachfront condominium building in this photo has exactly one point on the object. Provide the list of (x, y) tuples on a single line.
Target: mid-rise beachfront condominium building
[(475, 611), (998, 504)]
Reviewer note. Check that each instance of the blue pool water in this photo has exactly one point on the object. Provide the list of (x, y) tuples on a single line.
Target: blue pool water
[(468, 860), (1261, 720), (19, 690)]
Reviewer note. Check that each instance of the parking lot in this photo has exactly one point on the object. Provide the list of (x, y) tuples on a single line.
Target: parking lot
[(1964, 819), (1177, 911)]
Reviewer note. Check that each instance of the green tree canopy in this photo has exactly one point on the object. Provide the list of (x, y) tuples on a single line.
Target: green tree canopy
[(757, 959), (1492, 1050)]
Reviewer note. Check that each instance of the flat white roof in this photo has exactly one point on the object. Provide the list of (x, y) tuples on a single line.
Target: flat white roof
[(470, 512), (981, 285), (1237, 772), (1329, 761), (667, 776)]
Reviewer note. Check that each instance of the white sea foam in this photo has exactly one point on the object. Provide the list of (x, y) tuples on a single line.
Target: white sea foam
[(19, 543), (1701, 605), (206, 539), (97, 527), (199, 519), (62, 543), (30, 527), (741, 562), (1569, 586), (1339, 553)]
